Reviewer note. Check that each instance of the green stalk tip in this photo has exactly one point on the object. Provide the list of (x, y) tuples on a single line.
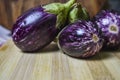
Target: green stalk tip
[(70, 3)]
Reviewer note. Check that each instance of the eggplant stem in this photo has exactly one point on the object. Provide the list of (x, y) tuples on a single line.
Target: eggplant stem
[(69, 3)]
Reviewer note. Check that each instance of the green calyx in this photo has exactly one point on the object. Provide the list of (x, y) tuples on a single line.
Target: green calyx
[(54, 8), (77, 12), (67, 12), (61, 10)]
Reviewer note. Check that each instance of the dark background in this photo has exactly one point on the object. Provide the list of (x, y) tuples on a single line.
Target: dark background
[(114, 4)]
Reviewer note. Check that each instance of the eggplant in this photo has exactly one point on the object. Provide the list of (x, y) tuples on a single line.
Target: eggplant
[(38, 26), (80, 39), (108, 22)]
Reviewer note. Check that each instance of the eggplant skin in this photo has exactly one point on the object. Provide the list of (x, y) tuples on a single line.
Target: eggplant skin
[(108, 22), (80, 39), (34, 29)]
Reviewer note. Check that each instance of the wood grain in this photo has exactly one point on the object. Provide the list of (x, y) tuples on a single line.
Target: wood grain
[(11, 9), (51, 64)]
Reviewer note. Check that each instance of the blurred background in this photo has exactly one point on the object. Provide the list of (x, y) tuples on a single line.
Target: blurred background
[(11, 9)]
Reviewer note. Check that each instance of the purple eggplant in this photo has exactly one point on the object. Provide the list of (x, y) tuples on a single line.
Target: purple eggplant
[(39, 26), (108, 22), (80, 39)]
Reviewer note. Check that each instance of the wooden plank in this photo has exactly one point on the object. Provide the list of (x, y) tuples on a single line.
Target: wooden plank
[(52, 64)]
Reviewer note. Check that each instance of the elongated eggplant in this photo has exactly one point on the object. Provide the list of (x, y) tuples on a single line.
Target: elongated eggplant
[(80, 39), (39, 26)]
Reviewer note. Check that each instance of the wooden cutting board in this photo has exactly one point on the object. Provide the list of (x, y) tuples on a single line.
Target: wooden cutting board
[(51, 64)]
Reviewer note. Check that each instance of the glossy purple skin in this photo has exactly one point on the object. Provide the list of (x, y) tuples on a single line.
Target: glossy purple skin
[(104, 20), (77, 40), (34, 29)]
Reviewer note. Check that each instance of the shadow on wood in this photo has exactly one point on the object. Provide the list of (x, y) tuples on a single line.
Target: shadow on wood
[(50, 48)]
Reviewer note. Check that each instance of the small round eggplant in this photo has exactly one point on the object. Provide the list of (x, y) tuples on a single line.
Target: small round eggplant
[(80, 39), (108, 22), (39, 26)]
